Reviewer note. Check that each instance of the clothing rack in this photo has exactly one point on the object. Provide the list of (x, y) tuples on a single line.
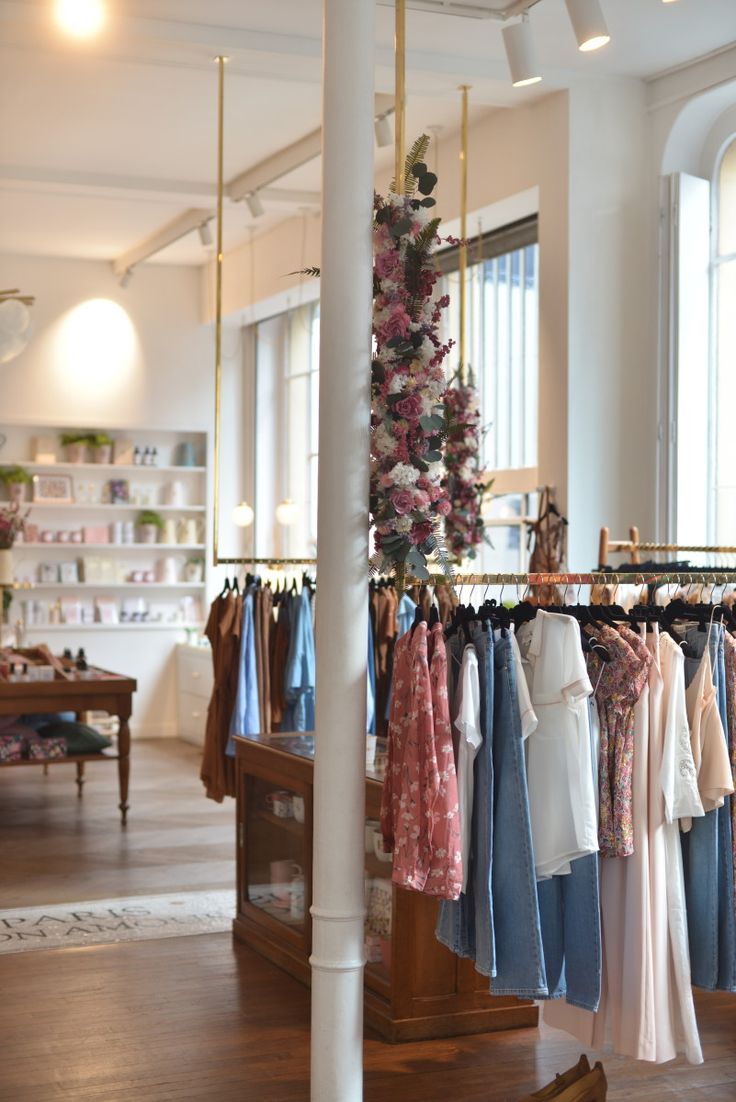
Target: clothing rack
[(677, 577), (633, 546), (266, 562)]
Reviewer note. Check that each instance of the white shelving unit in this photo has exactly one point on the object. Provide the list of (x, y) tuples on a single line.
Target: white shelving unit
[(171, 605)]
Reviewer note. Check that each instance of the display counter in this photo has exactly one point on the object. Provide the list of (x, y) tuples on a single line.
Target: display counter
[(414, 987)]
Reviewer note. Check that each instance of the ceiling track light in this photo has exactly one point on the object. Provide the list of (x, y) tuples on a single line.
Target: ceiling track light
[(521, 54), (588, 23), (205, 234), (125, 278), (384, 131), (255, 206)]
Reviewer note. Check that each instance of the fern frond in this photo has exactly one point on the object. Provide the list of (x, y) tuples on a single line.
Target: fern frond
[(315, 273), (424, 239), (416, 154)]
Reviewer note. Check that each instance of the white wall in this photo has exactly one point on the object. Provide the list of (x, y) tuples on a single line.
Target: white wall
[(141, 359)]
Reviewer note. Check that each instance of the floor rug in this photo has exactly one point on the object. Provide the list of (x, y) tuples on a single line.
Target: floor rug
[(102, 921)]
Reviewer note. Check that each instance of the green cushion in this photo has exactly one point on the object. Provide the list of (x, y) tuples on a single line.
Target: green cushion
[(80, 739)]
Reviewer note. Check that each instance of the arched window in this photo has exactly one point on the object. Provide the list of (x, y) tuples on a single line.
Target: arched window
[(723, 392)]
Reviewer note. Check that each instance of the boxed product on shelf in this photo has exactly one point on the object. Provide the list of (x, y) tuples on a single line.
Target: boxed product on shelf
[(11, 747), (96, 533)]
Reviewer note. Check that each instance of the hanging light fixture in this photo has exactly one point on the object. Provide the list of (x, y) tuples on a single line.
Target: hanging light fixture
[(287, 512), (520, 53), (243, 515), (588, 23), (205, 234), (255, 206), (125, 278), (80, 18)]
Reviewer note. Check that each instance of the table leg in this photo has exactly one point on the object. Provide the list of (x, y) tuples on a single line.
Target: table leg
[(80, 778), (124, 767), (45, 769)]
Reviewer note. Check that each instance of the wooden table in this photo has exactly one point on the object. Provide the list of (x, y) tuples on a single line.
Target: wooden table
[(105, 693)]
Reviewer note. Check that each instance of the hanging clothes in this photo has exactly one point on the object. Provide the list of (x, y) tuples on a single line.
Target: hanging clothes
[(279, 652), (419, 808), (263, 617), (300, 674), (245, 718), (223, 631)]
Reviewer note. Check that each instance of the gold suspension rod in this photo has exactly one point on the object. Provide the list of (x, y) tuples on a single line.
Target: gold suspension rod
[(464, 88), (400, 95), (220, 59), (634, 545)]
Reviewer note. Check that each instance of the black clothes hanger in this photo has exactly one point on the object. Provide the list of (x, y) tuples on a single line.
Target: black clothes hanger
[(434, 616)]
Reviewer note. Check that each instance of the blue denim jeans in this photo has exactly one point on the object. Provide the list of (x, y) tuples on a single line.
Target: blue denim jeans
[(707, 857), (570, 914), (519, 955), (466, 925)]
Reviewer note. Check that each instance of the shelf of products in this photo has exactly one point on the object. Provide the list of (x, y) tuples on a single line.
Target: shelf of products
[(138, 626), (90, 514)]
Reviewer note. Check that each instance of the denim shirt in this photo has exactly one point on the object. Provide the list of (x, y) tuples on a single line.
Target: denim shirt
[(299, 676), (245, 719)]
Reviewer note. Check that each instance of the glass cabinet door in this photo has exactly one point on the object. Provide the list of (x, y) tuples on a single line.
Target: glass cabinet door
[(378, 902), (275, 852)]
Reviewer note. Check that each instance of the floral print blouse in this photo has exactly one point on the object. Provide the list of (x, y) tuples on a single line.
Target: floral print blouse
[(618, 684), (419, 809), (730, 644)]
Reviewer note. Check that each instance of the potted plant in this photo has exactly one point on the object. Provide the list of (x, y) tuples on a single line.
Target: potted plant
[(16, 479), (101, 445), (12, 522), (75, 445), (150, 524), (194, 570)]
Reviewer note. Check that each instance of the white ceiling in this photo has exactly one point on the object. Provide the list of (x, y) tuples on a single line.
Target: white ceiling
[(102, 144)]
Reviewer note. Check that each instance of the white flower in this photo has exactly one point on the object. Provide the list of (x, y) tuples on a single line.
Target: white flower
[(397, 384), (436, 470), (403, 474), (403, 525), (383, 441)]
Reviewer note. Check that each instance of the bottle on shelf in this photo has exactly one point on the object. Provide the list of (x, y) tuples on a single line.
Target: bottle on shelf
[(137, 456), (154, 457), (81, 662)]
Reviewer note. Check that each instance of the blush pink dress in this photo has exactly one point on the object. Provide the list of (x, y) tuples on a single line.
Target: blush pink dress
[(419, 809)]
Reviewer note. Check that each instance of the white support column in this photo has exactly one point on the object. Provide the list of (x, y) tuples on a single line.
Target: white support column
[(342, 602)]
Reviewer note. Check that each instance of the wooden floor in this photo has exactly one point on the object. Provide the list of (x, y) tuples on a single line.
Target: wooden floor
[(195, 1018), (58, 849)]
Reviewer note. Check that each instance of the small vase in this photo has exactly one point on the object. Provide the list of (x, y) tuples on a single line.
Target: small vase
[(75, 453), (17, 492), (147, 533), (103, 453), (6, 566)]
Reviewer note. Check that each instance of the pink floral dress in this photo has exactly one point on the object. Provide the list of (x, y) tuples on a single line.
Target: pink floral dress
[(419, 810), (618, 685)]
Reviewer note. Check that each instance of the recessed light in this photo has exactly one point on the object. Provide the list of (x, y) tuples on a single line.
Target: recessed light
[(80, 18)]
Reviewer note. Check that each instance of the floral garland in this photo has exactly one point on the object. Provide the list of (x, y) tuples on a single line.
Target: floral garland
[(409, 416), (465, 481)]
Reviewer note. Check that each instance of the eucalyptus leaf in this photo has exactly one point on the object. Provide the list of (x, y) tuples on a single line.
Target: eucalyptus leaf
[(421, 572), (427, 423), (401, 227), (433, 456), (419, 169), (428, 202), (427, 183)]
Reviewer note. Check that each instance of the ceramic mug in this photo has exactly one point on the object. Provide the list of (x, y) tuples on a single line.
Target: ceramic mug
[(378, 847), (282, 874), (297, 805), (296, 895), (371, 825), (280, 804)]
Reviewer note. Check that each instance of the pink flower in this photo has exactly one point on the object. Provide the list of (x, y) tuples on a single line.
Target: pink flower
[(421, 499), (409, 406), (421, 532), (444, 508), (402, 501), (387, 263), (397, 325)]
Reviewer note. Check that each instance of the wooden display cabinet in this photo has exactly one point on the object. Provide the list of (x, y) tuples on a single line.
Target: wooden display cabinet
[(415, 988)]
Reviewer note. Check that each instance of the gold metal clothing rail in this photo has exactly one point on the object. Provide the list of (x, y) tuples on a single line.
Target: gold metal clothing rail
[(266, 562), (595, 578)]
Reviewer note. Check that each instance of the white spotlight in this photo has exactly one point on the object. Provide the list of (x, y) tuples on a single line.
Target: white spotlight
[(243, 515), (126, 277), (255, 206), (205, 233), (521, 54), (80, 18), (588, 23), (384, 133)]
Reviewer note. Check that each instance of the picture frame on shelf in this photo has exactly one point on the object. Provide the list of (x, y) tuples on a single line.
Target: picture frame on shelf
[(48, 573), (53, 489), (119, 491)]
